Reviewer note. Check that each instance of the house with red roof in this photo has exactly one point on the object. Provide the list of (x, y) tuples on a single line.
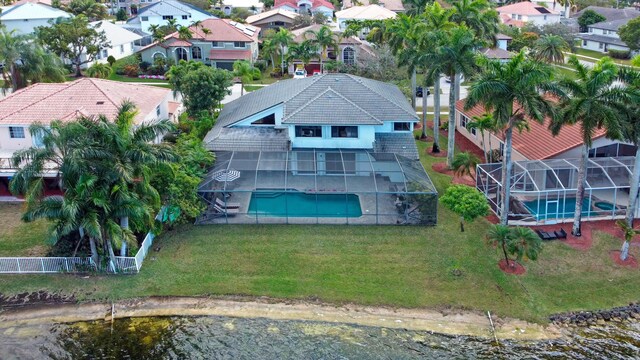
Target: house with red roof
[(520, 13), (306, 6), (215, 42)]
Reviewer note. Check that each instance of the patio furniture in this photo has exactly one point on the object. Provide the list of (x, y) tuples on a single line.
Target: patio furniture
[(546, 235), (228, 205), (561, 234)]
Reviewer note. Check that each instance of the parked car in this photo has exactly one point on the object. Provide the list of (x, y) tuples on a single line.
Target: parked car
[(420, 92), (300, 74)]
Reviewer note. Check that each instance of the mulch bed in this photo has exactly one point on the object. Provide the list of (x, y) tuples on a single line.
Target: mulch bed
[(441, 154), (631, 261), (428, 139), (513, 267), (461, 180), (493, 218), (442, 168), (582, 243), (466, 145)]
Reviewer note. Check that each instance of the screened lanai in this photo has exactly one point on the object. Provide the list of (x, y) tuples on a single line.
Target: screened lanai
[(318, 186), (544, 191)]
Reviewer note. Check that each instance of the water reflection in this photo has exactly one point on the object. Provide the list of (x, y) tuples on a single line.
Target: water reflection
[(230, 338)]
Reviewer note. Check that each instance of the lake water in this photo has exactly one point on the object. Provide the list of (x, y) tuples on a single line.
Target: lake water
[(215, 337)]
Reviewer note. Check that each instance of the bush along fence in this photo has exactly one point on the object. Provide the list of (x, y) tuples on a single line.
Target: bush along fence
[(49, 265)]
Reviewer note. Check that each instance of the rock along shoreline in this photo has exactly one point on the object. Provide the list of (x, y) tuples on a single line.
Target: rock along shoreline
[(41, 308)]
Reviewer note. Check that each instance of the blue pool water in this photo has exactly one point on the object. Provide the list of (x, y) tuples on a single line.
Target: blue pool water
[(562, 209), (299, 204)]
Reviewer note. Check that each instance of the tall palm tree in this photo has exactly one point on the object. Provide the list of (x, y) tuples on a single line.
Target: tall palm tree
[(303, 51), (484, 124), (398, 32), (268, 50), (39, 65), (457, 55), (512, 93), (324, 38), (243, 70), (477, 15), (631, 134), (184, 33), (12, 47), (594, 101), (283, 38), (550, 48), (89, 8)]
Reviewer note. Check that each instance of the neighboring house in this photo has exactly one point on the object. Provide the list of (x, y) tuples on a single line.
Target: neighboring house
[(306, 6), (360, 13), (215, 42), (227, 6), (351, 50), (393, 5), (121, 42), (610, 14), (294, 114), (25, 17), (520, 13), (133, 7), (273, 19), (159, 13), (499, 52), (45, 102), (603, 36)]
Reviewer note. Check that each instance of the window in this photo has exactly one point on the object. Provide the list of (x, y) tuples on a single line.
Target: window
[(349, 56), (121, 49), (584, 42), (519, 17), (167, 17), (216, 44), (16, 132), (344, 131), (266, 120), (513, 16), (158, 110), (196, 53), (501, 149), (544, 17), (309, 131), (184, 17), (238, 44), (37, 139), (144, 18), (402, 126), (590, 30), (181, 54), (464, 122), (105, 54), (600, 46)]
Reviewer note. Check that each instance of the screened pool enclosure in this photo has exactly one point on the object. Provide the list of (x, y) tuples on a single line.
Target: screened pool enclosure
[(318, 187), (544, 191)]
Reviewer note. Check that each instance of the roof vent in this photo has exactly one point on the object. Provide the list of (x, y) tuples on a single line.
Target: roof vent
[(100, 103)]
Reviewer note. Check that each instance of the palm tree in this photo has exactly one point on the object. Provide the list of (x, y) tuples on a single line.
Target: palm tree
[(524, 242), (631, 133), (89, 8), (268, 50), (282, 38), (550, 49), (243, 70), (12, 47), (628, 232), (184, 33), (465, 164), (304, 51), (98, 70), (485, 123), (512, 93), (324, 38), (477, 15), (458, 57), (594, 101), (398, 33), (38, 65), (500, 235)]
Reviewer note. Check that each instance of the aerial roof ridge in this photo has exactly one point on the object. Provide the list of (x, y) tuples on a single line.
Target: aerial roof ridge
[(33, 103), (329, 89), (94, 82), (313, 81), (360, 80), (228, 23)]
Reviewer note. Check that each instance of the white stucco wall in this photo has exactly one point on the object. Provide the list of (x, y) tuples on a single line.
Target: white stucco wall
[(25, 26), (157, 20), (115, 51)]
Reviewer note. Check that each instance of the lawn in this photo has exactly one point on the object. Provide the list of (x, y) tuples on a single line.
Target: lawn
[(250, 88), (373, 265), (18, 238), (597, 55)]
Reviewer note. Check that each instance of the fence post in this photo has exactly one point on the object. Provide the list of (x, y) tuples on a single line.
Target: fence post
[(18, 262), (66, 264), (42, 263)]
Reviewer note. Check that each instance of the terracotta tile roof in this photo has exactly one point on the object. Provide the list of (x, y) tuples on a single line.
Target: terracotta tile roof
[(177, 43), (538, 143), (393, 5), (294, 4), (496, 53), (507, 20), (254, 18), (47, 102), (225, 30), (526, 8), (230, 54)]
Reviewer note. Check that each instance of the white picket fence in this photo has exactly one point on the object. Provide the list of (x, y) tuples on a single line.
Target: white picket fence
[(48, 265)]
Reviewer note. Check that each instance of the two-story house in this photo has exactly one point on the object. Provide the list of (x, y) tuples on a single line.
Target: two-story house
[(121, 42), (393, 5), (25, 17), (603, 36), (45, 102), (161, 12), (309, 7), (215, 42), (362, 13), (520, 13), (227, 6), (273, 19)]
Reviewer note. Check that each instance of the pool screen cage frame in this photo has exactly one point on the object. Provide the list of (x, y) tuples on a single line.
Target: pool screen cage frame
[(390, 188), (544, 191)]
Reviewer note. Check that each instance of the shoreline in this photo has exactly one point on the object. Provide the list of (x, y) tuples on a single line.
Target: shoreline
[(449, 322)]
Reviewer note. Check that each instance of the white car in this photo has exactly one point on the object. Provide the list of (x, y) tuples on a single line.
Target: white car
[(300, 74)]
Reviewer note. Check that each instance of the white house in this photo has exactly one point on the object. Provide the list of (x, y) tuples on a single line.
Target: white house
[(360, 13), (393, 5), (306, 6), (254, 6), (603, 36), (520, 13), (161, 12), (121, 41), (25, 17)]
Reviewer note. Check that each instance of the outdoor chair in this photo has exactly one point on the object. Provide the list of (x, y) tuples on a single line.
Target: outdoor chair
[(560, 234), (228, 205), (221, 211), (546, 235)]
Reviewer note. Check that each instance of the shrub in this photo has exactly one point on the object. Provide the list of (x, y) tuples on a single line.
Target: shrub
[(256, 74), (144, 66), (119, 65), (131, 70), (260, 64), (620, 54), (121, 15), (111, 60)]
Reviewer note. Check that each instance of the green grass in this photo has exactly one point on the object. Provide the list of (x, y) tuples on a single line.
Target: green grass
[(250, 88), (18, 238), (124, 78), (598, 55), (564, 71), (372, 265)]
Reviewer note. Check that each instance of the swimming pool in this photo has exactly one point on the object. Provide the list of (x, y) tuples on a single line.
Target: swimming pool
[(299, 204), (556, 209)]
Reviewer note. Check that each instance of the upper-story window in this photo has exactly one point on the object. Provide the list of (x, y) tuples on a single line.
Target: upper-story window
[(464, 122), (238, 44), (167, 17), (121, 49), (309, 131), (217, 44), (158, 110), (401, 126), (348, 56), (16, 132), (590, 30), (344, 131), (196, 53), (185, 17), (514, 16), (519, 17), (266, 120), (544, 17), (144, 18)]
